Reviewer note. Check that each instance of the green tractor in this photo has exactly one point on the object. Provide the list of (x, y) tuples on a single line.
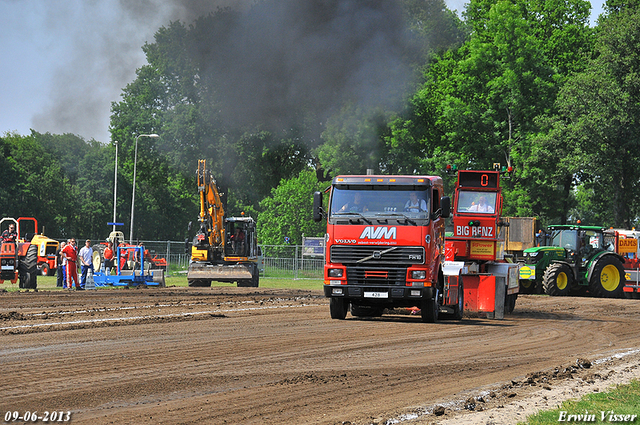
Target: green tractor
[(576, 259)]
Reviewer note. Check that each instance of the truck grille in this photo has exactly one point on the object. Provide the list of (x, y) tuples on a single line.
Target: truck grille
[(368, 255), (376, 276)]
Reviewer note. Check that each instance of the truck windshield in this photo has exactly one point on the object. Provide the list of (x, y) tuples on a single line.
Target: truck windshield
[(481, 202), (374, 201)]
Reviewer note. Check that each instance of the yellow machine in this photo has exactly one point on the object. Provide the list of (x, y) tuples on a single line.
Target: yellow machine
[(224, 249)]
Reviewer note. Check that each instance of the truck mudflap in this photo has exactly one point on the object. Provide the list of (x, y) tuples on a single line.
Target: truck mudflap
[(220, 271)]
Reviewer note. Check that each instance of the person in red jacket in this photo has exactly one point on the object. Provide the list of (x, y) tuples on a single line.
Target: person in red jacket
[(108, 258), (71, 254)]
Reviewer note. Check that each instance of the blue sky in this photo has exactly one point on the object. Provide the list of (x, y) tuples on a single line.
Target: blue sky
[(64, 61)]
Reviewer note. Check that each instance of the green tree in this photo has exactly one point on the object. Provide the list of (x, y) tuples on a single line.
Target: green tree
[(288, 211), (483, 102), (600, 118), (34, 184)]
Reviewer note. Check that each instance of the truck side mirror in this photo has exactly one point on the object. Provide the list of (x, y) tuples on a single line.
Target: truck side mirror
[(317, 206), (445, 202)]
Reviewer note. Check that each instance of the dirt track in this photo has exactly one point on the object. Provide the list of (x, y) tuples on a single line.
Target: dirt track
[(263, 356)]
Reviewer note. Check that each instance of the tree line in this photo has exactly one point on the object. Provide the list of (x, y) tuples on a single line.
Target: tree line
[(279, 106)]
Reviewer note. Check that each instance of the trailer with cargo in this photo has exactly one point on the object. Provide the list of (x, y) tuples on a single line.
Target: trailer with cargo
[(475, 251)]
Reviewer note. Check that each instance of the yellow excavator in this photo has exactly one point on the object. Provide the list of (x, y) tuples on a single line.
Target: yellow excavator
[(224, 249)]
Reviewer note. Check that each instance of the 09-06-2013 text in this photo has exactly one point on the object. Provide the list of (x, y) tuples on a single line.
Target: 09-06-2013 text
[(46, 416)]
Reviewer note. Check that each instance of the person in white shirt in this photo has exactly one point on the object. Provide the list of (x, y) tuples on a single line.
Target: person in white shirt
[(86, 260), (414, 204), (481, 206)]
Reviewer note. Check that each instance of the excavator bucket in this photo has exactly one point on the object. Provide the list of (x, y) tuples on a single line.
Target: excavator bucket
[(219, 272)]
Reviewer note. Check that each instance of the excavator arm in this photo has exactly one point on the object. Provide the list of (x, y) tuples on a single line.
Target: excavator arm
[(211, 215)]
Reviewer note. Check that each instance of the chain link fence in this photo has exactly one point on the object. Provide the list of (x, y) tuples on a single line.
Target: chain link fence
[(288, 261), (281, 261)]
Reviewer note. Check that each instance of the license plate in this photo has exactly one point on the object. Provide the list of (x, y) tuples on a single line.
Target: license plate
[(376, 295)]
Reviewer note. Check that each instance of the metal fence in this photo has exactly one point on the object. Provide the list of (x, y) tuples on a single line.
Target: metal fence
[(283, 261), (288, 261)]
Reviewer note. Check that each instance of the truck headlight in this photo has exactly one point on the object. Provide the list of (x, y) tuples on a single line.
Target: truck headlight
[(418, 274), (335, 272)]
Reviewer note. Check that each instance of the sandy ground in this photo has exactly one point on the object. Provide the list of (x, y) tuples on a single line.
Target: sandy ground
[(264, 356)]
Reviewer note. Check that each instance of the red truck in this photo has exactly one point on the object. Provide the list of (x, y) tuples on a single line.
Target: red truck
[(385, 246)]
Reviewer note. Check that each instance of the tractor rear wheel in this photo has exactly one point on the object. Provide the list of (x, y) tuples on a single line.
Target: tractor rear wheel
[(607, 280), (28, 268), (338, 308), (98, 257), (557, 280)]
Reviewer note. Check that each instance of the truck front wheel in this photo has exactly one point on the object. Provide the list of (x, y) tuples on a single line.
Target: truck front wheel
[(429, 310), (607, 280), (338, 308), (557, 280)]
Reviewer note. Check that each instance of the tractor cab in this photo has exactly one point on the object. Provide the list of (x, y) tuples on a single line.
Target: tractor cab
[(576, 259), (241, 238), (580, 243)]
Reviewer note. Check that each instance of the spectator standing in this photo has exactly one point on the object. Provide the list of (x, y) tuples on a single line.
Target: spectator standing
[(86, 261), (71, 256), (108, 258), (60, 260)]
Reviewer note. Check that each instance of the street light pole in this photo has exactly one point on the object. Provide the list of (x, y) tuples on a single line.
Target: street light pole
[(115, 188), (133, 194)]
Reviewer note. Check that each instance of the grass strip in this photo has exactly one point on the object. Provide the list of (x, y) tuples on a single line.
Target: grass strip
[(619, 405)]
